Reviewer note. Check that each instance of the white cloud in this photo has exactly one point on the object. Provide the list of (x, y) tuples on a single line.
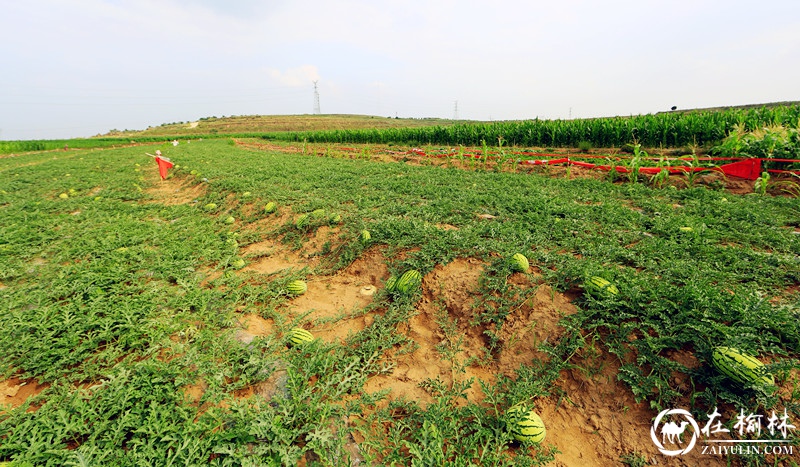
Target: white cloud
[(295, 77)]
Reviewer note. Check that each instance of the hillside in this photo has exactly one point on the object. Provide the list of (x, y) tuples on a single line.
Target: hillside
[(290, 123), (732, 107), (278, 123)]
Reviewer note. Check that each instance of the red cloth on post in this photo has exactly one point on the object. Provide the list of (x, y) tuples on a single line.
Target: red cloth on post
[(164, 164)]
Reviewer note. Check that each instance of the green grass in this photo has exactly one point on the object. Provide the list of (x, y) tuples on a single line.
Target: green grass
[(106, 297)]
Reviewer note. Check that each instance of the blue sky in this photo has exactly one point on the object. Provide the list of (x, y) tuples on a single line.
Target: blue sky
[(80, 68)]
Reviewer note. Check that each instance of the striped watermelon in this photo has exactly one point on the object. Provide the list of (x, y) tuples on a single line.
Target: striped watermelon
[(741, 367), (299, 336), (318, 214), (391, 283), (601, 287), (302, 221), (335, 218), (409, 281), (365, 236), (525, 425), (296, 287), (270, 207), (519, 263)]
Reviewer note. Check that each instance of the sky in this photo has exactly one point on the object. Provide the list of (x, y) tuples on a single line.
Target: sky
[(78, 68)]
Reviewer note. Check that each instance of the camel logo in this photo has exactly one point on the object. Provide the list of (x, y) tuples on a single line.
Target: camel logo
[(672, 433)]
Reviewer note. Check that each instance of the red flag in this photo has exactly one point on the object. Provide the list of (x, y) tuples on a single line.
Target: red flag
[(748, 168), (164, 164)]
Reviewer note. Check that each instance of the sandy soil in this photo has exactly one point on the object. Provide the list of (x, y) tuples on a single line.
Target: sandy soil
[(14, 392)]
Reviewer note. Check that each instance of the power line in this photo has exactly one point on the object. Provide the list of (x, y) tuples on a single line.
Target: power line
[(316, 99)]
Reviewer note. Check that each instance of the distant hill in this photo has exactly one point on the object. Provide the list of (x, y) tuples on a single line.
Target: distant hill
[(276, 123)]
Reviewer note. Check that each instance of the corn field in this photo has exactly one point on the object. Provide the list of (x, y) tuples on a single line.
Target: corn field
[(660, 130)]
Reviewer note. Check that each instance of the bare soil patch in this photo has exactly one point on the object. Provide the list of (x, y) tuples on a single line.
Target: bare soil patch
[(448, 301), (596, 420), (14, 392), (271, 257), (172, 191), (333, 305)]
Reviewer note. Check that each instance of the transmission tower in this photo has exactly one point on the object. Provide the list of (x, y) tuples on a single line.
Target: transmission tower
[(455, 111), (316, 99)]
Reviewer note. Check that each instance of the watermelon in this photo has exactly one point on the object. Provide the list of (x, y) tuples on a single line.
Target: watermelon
[(270, 207), (302, 221), (391, 282), (230, 220), (296, 287), (63, 196), (299, 336), (601, 287), (210, 206), (408, 282), (365, 236), (335, 218), (525, 425), (238, 263), (741, 367), (519, 263), (318, 214)]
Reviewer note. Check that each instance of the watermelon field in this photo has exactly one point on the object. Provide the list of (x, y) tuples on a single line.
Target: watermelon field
[(179, 322)]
